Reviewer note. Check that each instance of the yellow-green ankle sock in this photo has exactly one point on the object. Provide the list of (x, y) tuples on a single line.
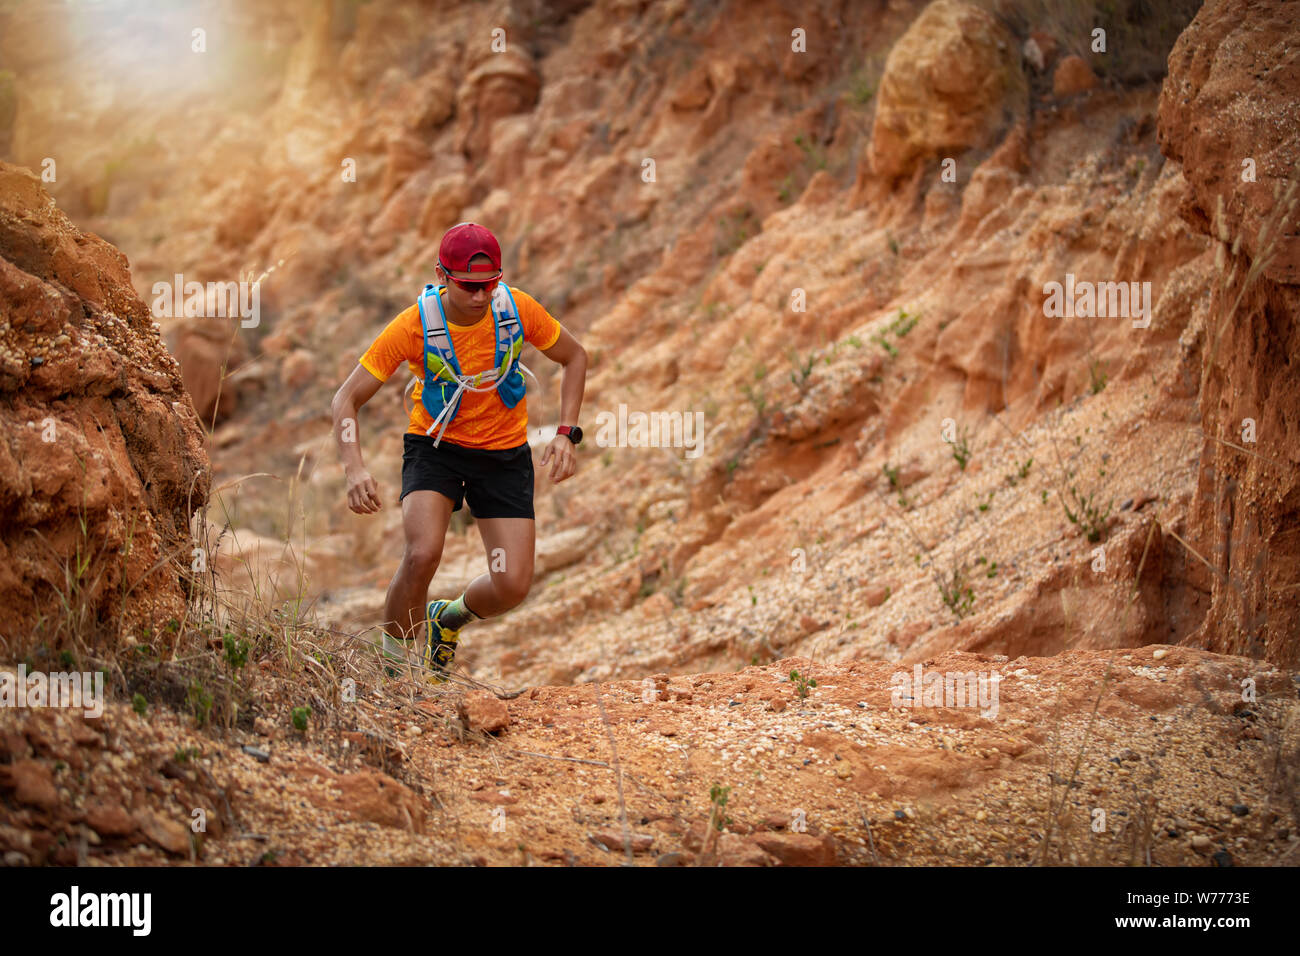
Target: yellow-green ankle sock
[(457, 614)]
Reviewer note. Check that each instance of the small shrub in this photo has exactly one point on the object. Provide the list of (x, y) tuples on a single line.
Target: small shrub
[(903, 323), (200, 703), (236, 651), (802, 368), (1096, 376), (1086, 514), (961, 448), (718, 797), (813, 153), (957, 594), (884, 343), (802, 683), (1020, 474)]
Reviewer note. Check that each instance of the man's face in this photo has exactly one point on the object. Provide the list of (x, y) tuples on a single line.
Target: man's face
[(467, 303)]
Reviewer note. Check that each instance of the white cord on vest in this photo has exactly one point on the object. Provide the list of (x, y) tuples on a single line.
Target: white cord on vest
[(462, 384)]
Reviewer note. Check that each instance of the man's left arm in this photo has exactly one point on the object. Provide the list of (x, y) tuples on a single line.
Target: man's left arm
[(569, 353)]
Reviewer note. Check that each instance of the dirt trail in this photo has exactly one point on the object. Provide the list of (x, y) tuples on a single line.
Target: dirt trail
[(1146, 756)]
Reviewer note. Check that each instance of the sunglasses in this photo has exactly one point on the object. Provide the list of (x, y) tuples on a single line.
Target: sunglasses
[(472, 285)]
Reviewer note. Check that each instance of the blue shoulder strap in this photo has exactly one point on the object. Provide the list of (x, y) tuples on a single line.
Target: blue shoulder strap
[(441, 335), (506, 314), (424, 325)]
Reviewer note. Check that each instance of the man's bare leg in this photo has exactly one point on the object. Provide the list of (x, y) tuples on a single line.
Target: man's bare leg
[(508, 543), (425, 517)]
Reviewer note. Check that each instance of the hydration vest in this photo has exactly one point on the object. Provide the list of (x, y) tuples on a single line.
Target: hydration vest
[(443, 380)]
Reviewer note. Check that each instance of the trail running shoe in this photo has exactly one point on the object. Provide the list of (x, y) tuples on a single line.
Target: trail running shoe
[(440, 645)]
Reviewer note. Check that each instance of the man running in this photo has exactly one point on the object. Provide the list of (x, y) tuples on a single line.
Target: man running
[(468, 438)]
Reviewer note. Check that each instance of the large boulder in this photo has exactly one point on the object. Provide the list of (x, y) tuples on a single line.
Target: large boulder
[(208, 350), (101, 454), (952, 82)]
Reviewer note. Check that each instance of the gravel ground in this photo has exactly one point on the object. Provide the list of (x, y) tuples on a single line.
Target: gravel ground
[(1105, 757)]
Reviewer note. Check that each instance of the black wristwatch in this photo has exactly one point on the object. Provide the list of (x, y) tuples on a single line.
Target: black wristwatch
[(571, 432)]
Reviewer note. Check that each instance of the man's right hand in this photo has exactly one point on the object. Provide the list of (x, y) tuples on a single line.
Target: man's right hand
[(363, 493)]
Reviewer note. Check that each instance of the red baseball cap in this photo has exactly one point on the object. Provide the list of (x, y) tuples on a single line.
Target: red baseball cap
[(462, 242)]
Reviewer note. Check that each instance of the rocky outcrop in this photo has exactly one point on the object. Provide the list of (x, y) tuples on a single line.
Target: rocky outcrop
[(101, 455), (502, 84), (950, 84), (1227, 114)]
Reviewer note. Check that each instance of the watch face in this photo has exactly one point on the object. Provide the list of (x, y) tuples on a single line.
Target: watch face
[(575, 435)]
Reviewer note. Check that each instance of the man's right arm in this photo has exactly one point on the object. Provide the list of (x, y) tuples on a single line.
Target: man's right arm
[(360, 387)]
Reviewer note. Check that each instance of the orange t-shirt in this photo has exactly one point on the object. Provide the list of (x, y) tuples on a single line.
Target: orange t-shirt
[(482, 421)]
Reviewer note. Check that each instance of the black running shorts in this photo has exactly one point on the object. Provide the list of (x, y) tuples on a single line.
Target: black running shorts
[(497, 483)]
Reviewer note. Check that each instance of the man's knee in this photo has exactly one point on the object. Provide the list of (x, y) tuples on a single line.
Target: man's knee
[(512, 588), (422, 560)]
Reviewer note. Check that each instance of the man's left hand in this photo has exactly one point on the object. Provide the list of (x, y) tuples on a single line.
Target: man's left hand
[(565, 461)]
